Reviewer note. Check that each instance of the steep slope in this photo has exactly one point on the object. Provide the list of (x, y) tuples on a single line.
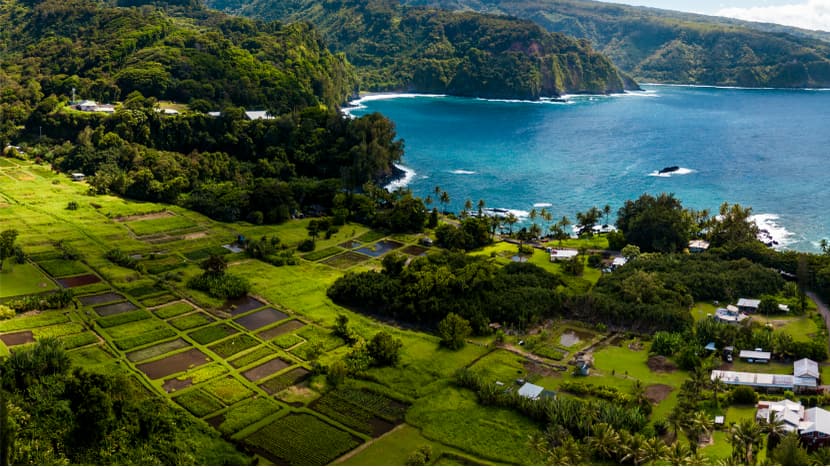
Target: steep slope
[(467, 54), (671, 47)]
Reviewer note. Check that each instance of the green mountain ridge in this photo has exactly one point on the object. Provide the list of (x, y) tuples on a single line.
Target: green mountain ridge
[(400, 48), (672, 47)]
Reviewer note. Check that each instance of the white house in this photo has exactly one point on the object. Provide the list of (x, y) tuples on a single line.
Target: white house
[(789, 412), (748, 305), (730, 315), (258, 115), (531, 391), (698, 246), (562, 255), (815, 428), (77, 177)]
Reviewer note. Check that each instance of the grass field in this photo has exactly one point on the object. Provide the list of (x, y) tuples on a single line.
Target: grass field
[(160, 225), (23, 279)]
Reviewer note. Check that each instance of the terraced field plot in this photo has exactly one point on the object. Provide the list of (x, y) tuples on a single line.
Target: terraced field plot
[(283, 328), (198, 402), (78, 281), (190, 321), (157, 350), (301, 439), (212, 333), (173, 364), (257, 354), (345, 260), (244, 415), (101, 298), (173, 309), (62, 267), (260, 319), (266, 369), (287, 379), (17, 338), (241, 305), (365, 411), (23, 279), (159, 225), (114, 309), (234, 345), (228, 390)]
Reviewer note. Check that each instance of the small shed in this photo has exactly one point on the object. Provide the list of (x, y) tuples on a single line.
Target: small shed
[(618, 261), (78, 177), (806, 368), (755, 356), (258, 115), (719, 420), (710, 347), (698, 246), (562, 255), (748, 305), (531, 391)]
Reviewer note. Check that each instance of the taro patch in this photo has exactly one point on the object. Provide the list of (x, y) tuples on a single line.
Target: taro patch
[(266, 369), (415, 250), (261, 318), (198, 402), (284, 328), (212, 333), (257, 354), (98, 299), (173, 364), (157, 350), (17, 338), (245, 415), (363, 410), (63, 267), (190, 321), (301, 439), (289, 378), (380, 248), (228, 390), (114, 309), (241, 305), (78, 281), (173, 309), (233, 345), (345, 260)]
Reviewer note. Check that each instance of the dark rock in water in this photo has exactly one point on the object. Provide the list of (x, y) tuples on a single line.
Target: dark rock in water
[(395, 173), (669, 169)]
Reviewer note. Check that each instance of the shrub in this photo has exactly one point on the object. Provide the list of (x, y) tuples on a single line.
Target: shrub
[(744, 395), (220, 285), (595, 261), (6, 312), (72, 205), (307, 245)]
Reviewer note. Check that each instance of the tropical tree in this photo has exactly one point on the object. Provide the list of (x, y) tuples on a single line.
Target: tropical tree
[(480, 206), (653, 450), (774, 427), (7, 239), (468, 206), (631, 447), (699, 426), (604, 441), (453, 330), (445, 200), (607, 211), (511, 220), (428, 200), (790, 452), (747, 438)]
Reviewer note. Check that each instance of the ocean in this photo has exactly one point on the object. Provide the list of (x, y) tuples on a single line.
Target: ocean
[(767, 149)]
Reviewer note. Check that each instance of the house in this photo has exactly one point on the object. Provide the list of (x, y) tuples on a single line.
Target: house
[(87, 106), (730, 315), (748, 305), (258, 115), (710, 347), (755, 356), (814, 430), (618, 262), (562, 255), (698, 246), (214, 114), (806, 368), (755, 380), (77, 177), (790, 413)]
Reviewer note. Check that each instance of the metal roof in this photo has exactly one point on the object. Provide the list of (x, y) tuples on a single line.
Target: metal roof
[(806, 367), (765, 380), (816, 420), (754, 354), (749, 302), (531, 391)]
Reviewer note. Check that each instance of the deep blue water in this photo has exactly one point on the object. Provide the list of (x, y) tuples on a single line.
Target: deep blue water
[(767, 149)]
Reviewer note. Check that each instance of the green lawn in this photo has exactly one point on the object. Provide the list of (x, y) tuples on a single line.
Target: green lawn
[(801, 328), (23, 279), (160, 225)]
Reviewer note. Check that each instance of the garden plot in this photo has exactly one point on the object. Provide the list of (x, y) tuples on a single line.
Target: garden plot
[(80, 339), (198, 402), (301, 439), (284, 328), (78, 281), (228, 390), (257, 354), (135, 334), (123, 318), (157, 350), (159, 225), (63, 267), (191, 321), (175, 384), (345, 260), (365, 411), (173, 364), (266, 369), (98, 299), (242, 305), (212, 333), (314, 335), (415, 250), (321, 254), (287, 379), (205, 253), (114, 309), (173, 309), (261, 319), (156, 300), (244, 415), (380, 248), (17, 338), (234, 345)]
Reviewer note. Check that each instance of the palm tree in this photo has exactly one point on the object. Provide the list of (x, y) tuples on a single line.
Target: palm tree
[(604, 442), (652, 450), (774, 428), (511, 220), (480, 206), (428, 200), (746, 438), (676, 420), (717, 387), (698, 426), (437, 191), (445, 199), (678, 454), (468, 206), (631, 447), (607, 211), (823, 244)]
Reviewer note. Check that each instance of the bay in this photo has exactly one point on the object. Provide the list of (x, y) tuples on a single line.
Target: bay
[(767, 149)]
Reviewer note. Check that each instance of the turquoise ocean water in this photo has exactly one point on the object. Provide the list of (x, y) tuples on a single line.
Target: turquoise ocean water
[(768, 149)]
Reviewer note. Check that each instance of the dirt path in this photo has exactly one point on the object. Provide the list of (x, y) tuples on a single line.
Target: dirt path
[(533, 357), (822, 308), (365, 445)]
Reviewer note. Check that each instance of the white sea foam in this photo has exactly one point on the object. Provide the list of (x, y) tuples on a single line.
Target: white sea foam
[(462, 172), (771, 231), (357, 104), (680, 171), (402, 182), (542, 205), (542, 100)]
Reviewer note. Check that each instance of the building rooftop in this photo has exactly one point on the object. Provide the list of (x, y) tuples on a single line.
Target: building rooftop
[(755, 355), (258, 115), (816, 420), (748, 302), (806, 368), (765, 380), (562, 254), (531, 391), (698, 245)]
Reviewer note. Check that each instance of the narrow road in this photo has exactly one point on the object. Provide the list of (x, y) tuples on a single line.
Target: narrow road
[(822, 308)]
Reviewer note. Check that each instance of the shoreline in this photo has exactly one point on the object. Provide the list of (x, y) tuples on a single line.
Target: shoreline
[(738, 88)]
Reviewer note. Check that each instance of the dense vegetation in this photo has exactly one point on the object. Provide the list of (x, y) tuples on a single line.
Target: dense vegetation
[(227, 167), (465, 54), (51, 413), (672, 47)]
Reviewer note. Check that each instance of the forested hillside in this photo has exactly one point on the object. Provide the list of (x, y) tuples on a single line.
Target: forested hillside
[(228, 167), (466, 54), (672, 47)]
